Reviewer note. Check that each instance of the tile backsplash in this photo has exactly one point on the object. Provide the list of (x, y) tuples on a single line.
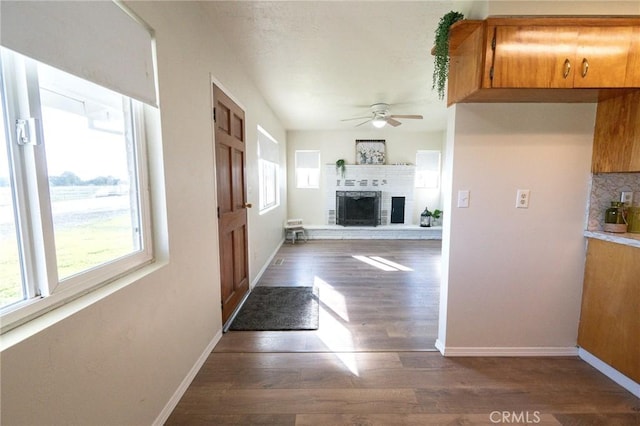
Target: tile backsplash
[(605, 188)]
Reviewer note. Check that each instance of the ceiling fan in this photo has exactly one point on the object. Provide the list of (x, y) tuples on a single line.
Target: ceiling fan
[(380, 116)]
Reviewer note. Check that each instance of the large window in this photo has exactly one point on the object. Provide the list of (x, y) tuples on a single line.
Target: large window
[(307, 169), (268, 167), (73, 193)]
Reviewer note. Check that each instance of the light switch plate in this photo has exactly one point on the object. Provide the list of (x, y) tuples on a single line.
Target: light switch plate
[(463, 198)]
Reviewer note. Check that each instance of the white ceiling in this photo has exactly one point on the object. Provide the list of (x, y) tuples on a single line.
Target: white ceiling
[(318, 62)]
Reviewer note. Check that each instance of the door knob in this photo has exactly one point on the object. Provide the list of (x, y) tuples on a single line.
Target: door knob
[(247, 205)]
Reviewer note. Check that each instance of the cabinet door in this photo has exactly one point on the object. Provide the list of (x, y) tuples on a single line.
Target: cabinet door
[(609, 321), (602, 56), (534, 57)]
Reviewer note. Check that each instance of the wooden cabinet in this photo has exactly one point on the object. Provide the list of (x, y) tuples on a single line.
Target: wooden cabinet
[(563, 57), (610, 316), (616, 139), (542, 59)]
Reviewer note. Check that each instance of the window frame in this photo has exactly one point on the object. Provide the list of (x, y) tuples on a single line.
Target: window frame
[(421, 182), (33, 213), (307, 185), (267, 155)]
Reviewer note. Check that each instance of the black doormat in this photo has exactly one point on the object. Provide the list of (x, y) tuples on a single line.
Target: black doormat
[(278, 308)]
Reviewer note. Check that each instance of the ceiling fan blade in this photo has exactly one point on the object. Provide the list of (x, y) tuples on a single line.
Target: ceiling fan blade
[(364, 122), (413, 116), (357, 118), (392, 122)]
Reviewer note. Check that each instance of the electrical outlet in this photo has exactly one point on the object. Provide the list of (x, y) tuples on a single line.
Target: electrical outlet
[(522, 199), (627, 197)]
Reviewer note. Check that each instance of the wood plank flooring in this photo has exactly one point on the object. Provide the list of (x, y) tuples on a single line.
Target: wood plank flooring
[(370, 363), (362, 307)]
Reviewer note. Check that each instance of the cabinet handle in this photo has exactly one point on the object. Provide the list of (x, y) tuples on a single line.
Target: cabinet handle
[(585, 67), (567, 68)]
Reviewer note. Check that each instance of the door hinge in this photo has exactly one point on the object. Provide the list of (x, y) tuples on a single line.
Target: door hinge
[(491, 73), (214, 114), (493, 43), (26, 131), (218, 212)]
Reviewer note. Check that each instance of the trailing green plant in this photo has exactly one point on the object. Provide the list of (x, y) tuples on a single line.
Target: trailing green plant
[(441, 51), (340, 167)]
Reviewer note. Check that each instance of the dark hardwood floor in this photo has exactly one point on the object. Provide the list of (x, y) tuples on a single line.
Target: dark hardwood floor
[(371, 362)]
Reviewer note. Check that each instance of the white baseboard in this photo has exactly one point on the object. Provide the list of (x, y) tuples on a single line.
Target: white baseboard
[(610, 372), (184, 385), (506, 351), (255, 280)]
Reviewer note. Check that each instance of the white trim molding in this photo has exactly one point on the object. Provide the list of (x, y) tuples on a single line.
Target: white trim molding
[(610, 372), (506, 351), (184, 385)]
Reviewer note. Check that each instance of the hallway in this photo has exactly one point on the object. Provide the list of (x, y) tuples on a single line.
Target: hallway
[(372, 361)]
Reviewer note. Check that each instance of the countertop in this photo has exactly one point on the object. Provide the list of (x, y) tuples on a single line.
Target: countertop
[(627, 239)]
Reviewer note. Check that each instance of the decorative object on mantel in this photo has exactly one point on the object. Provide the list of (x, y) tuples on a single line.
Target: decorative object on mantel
[(425, 218), (441, 51), (370, 151), (340, 167)]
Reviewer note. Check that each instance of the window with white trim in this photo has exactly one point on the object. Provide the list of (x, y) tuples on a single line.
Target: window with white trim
[(74, 206), (428, 169), (307, 169), (268, 170)]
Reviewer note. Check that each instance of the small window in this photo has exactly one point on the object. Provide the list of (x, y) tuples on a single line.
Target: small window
[(268, 167), (428, 169), (307, 169)]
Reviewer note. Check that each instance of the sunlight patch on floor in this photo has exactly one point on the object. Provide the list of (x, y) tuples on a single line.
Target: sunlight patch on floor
[(335, 335), (332, 298), (382, 263)]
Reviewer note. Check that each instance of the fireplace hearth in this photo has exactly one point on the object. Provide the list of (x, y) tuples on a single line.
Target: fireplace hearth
[(358, 208)]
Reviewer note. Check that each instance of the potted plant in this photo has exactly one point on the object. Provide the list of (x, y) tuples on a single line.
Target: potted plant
[(437, 214), (441, 51), (340, 167)]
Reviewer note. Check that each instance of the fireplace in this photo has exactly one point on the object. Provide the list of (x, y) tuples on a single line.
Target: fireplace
[(358, 208)]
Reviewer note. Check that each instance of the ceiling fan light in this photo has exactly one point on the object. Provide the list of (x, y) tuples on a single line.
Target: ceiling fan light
[(379, 123)]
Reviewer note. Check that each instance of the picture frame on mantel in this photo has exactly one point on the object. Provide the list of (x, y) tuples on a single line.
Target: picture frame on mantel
[(370, 151)]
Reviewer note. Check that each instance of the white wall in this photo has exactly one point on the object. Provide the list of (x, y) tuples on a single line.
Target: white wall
[(513, 277), (120, 360), (563, 7), (401, 147)]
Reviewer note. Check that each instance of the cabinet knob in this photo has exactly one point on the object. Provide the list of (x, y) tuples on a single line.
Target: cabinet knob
[(567, 68), (585, 67)]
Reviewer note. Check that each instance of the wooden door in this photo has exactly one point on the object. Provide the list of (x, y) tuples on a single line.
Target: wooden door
[(232, 206), (534, 57), (602, 55)]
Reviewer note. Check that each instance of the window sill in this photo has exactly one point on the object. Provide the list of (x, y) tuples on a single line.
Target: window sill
[(20, 329)]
